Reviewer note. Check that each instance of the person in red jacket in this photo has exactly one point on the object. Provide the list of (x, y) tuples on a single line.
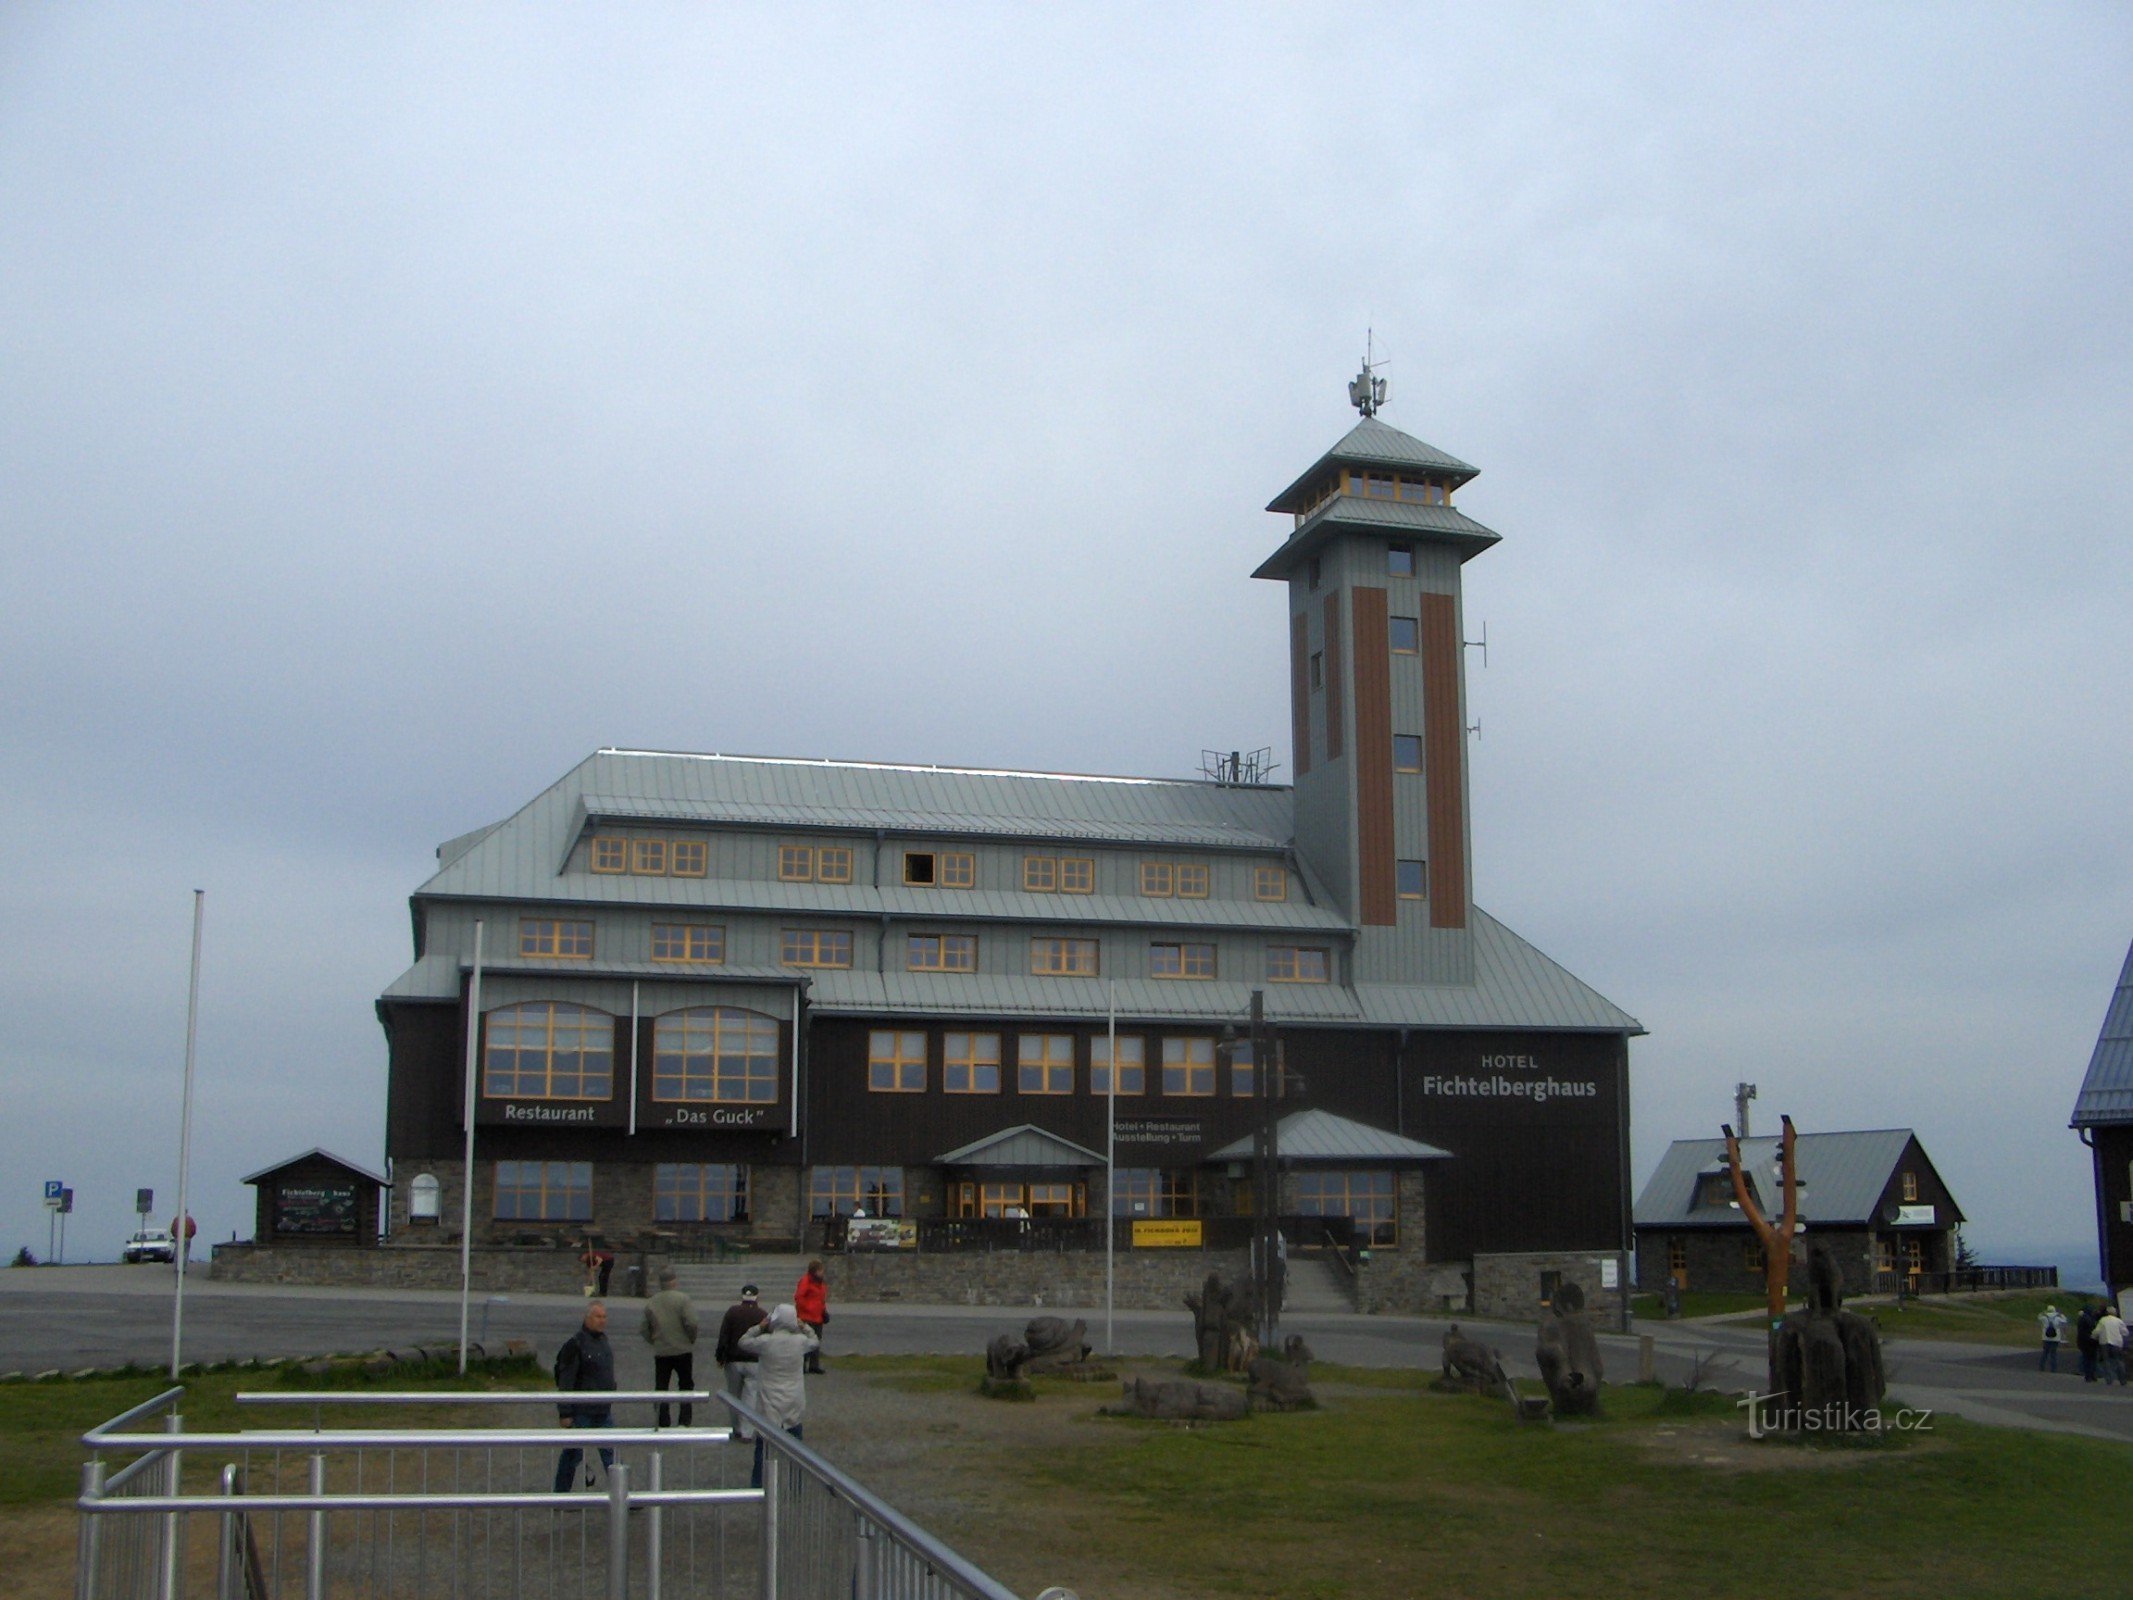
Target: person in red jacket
[(810, 1298)]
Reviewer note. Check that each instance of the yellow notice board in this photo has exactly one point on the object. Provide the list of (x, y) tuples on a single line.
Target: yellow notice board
[(1171, 1233)]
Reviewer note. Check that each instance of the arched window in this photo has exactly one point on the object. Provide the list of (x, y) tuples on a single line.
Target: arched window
[(549, 1050), (715, 1053)]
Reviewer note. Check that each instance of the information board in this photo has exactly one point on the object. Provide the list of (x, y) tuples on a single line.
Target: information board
[(1168, 1233), (315, 1208)]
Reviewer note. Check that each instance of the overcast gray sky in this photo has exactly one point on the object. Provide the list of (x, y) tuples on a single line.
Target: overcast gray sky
[(397, 404)]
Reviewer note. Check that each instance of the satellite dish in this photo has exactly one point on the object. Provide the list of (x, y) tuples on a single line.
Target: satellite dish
[(1890, 1212)]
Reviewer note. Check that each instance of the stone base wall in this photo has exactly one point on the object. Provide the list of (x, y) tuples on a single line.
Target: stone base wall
[(406, 1267), (621, 1209), (1510, 1285), (1147, 1280)]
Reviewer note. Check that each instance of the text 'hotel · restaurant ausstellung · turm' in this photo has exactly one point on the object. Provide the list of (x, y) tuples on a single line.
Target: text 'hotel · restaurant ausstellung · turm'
[(738, 998)]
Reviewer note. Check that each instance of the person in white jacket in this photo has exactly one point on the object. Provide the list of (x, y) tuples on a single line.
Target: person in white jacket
[(781, 1347)]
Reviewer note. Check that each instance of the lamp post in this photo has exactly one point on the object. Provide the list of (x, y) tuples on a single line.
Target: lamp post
[(1266, 1173)]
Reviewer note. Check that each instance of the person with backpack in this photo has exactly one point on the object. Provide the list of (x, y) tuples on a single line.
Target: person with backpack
[(2053, 1322), (585, 1365), (2085, 1339)]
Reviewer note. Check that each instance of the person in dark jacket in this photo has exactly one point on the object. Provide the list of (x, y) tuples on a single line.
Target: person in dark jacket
[(585, 1365), (732, 1360), (810, 1299), (2085, 1339)]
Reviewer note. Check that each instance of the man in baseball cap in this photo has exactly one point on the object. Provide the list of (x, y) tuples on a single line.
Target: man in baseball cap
[(733, 1361)]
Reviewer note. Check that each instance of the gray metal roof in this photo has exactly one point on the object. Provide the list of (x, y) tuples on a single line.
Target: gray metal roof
[(356, 1167), (1347, 512), (520, 862), (1371, 443), (2107, 1091), (1024, 1146), (1842, 1175), (1322, 1136)]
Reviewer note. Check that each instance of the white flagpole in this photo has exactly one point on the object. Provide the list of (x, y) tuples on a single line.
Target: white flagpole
[(1111, 1168), (185, 1140), (466, 1171)]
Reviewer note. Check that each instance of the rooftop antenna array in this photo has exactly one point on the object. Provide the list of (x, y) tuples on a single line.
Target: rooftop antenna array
[(1366, 391), (1236, 767)]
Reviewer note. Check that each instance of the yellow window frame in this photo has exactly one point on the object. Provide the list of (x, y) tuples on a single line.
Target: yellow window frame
[(1040, 874), (963, 1055), (1270, 883), (1044, 1063), (1158, 880), (555, 939), (1077, 875), (610, 853), (833, 864), (1188, 962), (692, 858), (696, 943), (896, 1061), (648, 858), (815, 947), (1063, 958), (796, 863)]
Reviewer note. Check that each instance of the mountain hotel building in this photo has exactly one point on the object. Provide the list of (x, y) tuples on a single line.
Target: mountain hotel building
[(736, 997)]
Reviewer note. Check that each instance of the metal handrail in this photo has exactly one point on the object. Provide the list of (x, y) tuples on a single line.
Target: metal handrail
[(876, 1510), (510, 1397), (310, 1439)]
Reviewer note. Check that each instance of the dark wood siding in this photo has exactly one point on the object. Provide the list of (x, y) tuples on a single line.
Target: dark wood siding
[(2114, 1187), (1444, 762), (1373, 761), (1526, 1174), (425, 1079), (1334, 737), (1300, 691)]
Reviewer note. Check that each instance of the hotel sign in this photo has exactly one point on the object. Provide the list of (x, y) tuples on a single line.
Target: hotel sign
[(1514, 1078), (1914, 1216), (1159, 1131)]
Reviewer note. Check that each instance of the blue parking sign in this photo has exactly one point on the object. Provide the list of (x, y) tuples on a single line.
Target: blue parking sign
[(54, 1188)]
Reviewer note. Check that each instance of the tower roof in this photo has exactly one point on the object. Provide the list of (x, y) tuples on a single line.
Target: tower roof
[(1371, 443)]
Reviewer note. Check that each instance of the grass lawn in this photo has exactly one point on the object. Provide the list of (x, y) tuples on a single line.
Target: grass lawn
[(1385, 1492), (1701, 1303), (2008, 1317), (1389, 1491)]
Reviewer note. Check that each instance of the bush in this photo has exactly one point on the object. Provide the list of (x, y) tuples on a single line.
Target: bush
[(23, 1258)]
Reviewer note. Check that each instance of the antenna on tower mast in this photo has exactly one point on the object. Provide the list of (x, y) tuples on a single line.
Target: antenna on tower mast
[(1366, 391)]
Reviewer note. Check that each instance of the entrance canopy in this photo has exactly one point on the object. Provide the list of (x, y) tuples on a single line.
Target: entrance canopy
[(1319, 1137), (1026, 1146)]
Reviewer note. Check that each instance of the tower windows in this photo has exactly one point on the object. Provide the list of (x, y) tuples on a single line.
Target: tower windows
[(1400, 560), (1407, 752), (1406, 635), (1411, 880)]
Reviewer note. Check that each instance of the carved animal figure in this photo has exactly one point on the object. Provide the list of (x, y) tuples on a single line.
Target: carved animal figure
[(1055, 1342), (1472, 1367), (1181, 1400), (1005, 1358), (1569, 1355), (1284, 1384)]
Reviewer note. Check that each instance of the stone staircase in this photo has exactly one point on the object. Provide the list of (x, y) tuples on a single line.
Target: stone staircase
[(715, 1285), (1318, 1284)]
